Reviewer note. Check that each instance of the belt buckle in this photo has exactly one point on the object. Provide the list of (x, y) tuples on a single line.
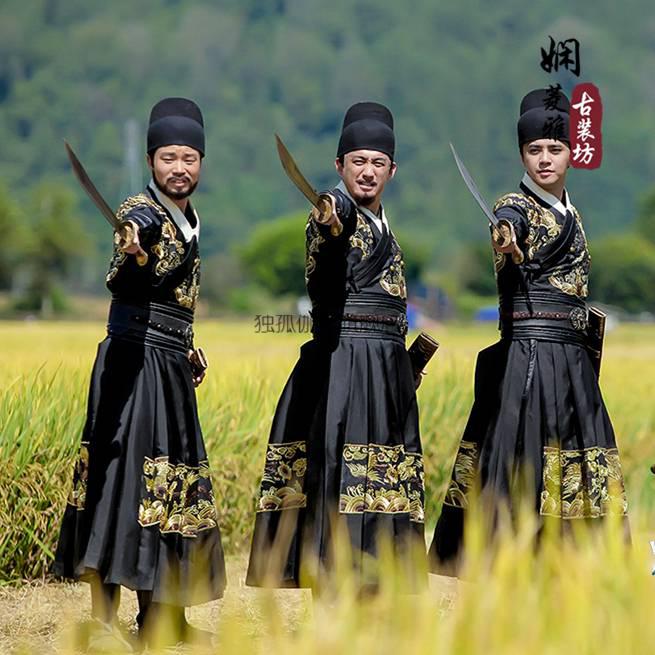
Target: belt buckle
[(579, 319), (402, 324)]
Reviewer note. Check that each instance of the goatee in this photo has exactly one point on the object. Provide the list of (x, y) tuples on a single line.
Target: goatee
[(175, 195)]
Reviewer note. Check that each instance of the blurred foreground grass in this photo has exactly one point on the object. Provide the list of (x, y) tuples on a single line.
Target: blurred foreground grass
[(596, 597)]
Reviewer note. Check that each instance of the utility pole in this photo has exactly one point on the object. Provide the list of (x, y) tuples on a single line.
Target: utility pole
[(132, 179)]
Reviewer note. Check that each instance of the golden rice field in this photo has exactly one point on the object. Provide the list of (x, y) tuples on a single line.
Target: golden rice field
[(597, 597)]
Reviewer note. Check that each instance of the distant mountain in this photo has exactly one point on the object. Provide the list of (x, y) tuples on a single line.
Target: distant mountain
[(85, 70)]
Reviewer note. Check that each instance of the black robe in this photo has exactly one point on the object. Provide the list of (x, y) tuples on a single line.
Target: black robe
[(538, 431), (344, 452), (141, 512)]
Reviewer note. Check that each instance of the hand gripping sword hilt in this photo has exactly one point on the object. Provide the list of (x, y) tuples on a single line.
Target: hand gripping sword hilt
[(325, 211), (505, 238), (124, 237)]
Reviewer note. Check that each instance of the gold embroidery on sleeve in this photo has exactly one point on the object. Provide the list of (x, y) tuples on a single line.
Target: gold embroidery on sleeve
[(168, 250), (393, 277), (187, 293)]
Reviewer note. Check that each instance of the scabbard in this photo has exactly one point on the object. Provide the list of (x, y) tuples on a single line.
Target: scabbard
[(596, 337), (421, 351)]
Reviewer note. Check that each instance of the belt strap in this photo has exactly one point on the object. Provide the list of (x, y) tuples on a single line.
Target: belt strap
[(576, 317), (150, 325), (362, 325), (543, 330), (399, 321)]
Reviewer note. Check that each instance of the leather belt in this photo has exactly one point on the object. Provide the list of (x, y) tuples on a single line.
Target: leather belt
[(399, 320), (544, 316), (364, 314), (577, 317)]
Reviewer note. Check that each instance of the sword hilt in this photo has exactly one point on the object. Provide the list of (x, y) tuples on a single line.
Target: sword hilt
[(324, 207), (124, 237), (506, 236)]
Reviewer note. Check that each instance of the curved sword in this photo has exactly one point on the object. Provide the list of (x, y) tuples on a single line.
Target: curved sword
[(517, 255), (322, 202), (124, 229)]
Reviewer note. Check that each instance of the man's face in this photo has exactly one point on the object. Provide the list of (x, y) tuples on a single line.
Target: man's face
[(365, 172), (546, 162), (175, 170)]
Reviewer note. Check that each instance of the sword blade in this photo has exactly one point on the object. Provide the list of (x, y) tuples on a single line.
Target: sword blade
[(293, 173), (90, 188), (472, 187)]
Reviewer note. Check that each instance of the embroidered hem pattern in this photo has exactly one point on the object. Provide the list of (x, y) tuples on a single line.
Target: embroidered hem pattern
[(463, 477), (582, 483), (283, 481), (178, 498), (77, 496), (383, 479)]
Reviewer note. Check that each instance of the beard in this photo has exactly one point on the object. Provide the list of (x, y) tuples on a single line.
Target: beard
[(365, 201), (172, 193)]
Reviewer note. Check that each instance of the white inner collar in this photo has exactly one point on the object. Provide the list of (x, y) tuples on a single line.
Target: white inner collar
[(378, 220), (548, 198), (177, 214)]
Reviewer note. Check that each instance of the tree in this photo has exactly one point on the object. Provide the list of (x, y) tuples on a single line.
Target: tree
[(15, 238), (415, 253), (56, 247), (476, 269), (274, 256), (623, 272), (645, 223)]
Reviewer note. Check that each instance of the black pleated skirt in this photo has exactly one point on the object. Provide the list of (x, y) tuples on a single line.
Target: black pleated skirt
[(141, 512), (538, 432), (344, 457)]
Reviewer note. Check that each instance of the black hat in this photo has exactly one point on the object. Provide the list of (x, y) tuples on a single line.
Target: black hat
[(544, 115), (367, 126), (176, 121)]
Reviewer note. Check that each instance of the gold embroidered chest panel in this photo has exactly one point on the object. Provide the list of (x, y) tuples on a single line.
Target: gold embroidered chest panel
[(570, 273)]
